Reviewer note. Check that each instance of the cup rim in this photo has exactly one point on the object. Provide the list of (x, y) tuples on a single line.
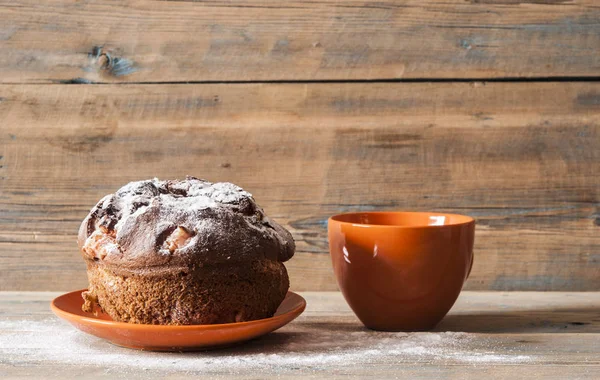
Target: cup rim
[(463, 219)]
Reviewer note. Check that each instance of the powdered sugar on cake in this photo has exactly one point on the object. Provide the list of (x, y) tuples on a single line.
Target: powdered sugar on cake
[(176, 223)]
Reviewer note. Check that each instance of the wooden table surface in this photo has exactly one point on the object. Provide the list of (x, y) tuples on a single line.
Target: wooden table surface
[(487, 334)]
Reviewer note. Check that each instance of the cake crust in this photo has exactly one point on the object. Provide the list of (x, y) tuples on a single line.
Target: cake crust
[(212, 294)]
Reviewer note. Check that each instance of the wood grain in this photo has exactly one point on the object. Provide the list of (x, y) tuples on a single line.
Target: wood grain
[(488, 335), (521, 158), (258, 40)]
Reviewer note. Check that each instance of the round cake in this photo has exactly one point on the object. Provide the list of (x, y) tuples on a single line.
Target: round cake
[(183, 252)]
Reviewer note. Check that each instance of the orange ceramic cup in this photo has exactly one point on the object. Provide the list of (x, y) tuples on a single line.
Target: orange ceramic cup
[(401, 271)]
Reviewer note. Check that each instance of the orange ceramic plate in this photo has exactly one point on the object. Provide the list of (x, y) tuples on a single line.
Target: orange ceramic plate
[(173, 338)]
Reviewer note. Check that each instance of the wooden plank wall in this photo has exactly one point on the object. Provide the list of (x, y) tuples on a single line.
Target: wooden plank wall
[(490, 109), (256, 40)]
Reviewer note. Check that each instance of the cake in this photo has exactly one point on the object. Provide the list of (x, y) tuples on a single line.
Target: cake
[(183, 252)]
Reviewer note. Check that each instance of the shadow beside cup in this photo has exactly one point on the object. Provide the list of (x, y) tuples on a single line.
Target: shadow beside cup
[(401, 271)]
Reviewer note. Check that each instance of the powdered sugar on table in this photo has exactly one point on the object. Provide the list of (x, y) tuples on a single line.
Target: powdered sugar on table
[(300, 345)]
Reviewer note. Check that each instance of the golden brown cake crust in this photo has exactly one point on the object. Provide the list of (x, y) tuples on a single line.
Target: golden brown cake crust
[(215, 294)]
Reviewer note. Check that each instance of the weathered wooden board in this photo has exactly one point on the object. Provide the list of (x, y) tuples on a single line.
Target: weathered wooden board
[(522, 158), (488, 335), (257, 40)]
